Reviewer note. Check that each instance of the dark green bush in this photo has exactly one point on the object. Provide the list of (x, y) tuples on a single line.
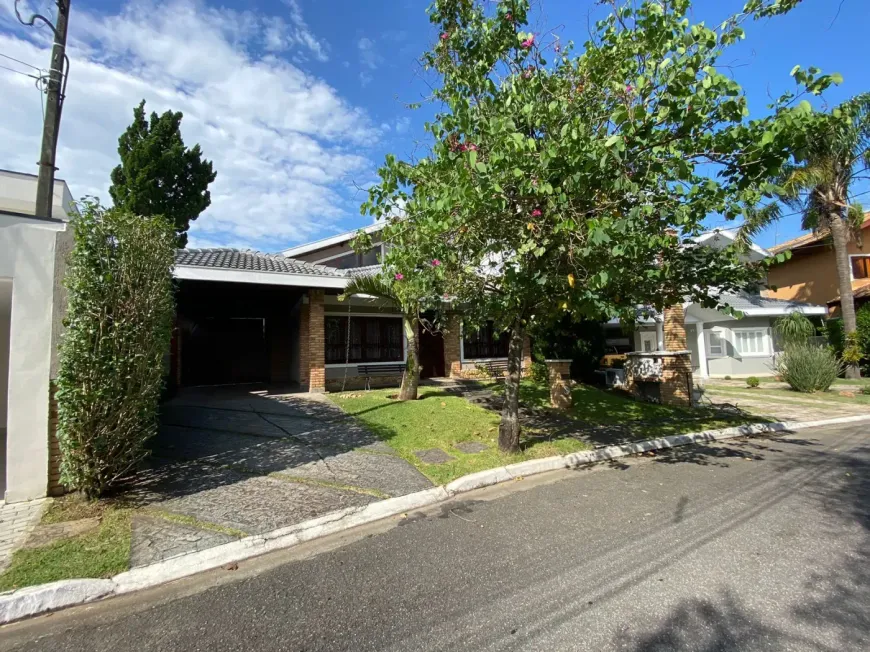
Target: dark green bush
[(538, 373), (118, 329), (581, 342), (752, 381), (808, 368)]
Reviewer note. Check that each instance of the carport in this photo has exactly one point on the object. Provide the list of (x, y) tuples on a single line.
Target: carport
[(249, 317)]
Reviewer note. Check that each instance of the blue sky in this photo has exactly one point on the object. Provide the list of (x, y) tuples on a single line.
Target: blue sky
[(297, 102)]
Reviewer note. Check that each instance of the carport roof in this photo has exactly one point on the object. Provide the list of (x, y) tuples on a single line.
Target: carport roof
[(235, 265), (249, 260)]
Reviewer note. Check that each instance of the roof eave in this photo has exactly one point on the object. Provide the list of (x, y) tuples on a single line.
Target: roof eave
[(219, 274), (330, 241)]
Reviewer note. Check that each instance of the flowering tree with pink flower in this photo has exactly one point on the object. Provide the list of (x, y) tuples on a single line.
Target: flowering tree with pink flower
[(563, 182)]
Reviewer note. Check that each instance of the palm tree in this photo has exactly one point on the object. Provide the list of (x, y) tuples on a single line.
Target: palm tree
[(817, 183), (381, 287)]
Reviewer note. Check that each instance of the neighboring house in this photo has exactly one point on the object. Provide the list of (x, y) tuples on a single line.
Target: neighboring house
[(811, 272), (721, 345), (246, 316), (32, 260)]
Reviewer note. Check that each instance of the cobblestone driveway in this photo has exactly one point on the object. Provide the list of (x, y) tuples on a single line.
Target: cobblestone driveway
[(235, 461)]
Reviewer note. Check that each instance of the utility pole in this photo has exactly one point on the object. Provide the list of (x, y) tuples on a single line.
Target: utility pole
[(53, 105)]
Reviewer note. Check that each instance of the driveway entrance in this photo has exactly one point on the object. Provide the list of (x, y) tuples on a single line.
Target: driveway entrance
[(233, 461)]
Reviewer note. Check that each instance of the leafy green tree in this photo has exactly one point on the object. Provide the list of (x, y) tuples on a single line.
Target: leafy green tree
[(569, 182), (834, 151), (158, 175), (118, 329)]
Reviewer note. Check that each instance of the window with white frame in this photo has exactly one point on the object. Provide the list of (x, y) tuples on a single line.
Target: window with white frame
[(751, 341), (715, 344)]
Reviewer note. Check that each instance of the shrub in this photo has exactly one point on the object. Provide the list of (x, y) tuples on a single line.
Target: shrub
[(118, 329), (866, 390), (808, 368), (752, 381), (727, 377), (539, 373), (793, 328)]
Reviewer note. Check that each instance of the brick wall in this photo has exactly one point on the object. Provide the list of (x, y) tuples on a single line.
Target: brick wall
[(452, 362), (675, 329), (527, 356), (316, 342), (676, 385), (303, 344), (359, 382)]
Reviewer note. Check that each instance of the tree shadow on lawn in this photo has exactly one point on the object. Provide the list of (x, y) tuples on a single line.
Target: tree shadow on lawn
[(607, 418)]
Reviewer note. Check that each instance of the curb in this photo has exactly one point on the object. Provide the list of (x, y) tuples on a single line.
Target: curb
[(35, 600)]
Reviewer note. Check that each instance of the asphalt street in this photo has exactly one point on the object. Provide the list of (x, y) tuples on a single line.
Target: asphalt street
[(760, 544)]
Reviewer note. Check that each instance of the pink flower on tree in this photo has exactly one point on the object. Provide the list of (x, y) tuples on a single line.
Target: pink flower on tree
[(536, 212), (529, 42), (445, 36), (472, 147), (509, 16), (629, 89), (400, 276), (436, 262)]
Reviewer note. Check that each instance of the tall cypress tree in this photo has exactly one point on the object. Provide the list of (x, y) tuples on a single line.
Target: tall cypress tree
[(158, 175)]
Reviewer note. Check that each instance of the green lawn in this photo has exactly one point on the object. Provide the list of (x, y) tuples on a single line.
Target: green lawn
[(819, 398), (102, 552), (772, 379), (440, 420), (603, 407)]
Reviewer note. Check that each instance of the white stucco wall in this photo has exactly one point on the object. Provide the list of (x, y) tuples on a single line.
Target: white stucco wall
[(18, 195), (27, 256), (5, 317)]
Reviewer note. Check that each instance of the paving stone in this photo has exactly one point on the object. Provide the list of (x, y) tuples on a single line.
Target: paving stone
[(258, 454), (471, 447), (45, 534), (433, 456), (386, 473), (155, 539), (252, 504)]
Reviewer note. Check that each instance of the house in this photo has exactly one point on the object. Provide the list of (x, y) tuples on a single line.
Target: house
[(718, 344), (246, 316), (32, 255), (811, 272)]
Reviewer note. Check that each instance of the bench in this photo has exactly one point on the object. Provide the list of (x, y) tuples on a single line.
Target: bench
[(496, 368), (369, 370)]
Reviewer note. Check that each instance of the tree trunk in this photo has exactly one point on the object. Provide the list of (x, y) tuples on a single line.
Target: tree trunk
[(840, 236), (509, 428), (411, 379)]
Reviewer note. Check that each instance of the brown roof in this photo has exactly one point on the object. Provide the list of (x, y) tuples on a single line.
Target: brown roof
[(806, 239), (862, 292)]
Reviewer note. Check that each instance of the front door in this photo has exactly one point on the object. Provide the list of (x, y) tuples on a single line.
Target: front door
[(431, 353)]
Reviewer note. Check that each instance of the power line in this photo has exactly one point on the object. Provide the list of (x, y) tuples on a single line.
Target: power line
[(23, 63), (21, 73)]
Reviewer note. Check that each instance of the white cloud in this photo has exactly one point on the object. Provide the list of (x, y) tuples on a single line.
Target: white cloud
[(402, 125), (365, 78), (368, 54), (285, 145)]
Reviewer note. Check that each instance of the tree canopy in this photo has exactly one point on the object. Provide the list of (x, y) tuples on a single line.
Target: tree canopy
[(575, 181), (158, 175)]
